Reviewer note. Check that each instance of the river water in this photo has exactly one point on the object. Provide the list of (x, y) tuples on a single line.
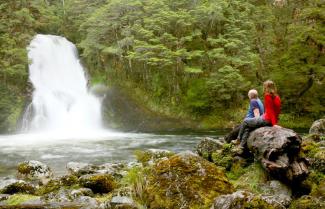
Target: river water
[(97, 148)]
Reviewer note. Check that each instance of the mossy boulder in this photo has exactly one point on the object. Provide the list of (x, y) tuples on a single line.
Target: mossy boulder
[(98, 183), (185, 180), (34, 170), (207, 146), (318, 127), (58, 182), (19, 187), (226, 156), (315, 152), (308, 202), (151, 155)]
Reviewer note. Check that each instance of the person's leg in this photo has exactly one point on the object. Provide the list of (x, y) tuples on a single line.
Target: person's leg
[(248, 126)]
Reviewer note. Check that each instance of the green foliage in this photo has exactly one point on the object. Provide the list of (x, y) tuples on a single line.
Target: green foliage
[(18, 199), (189, 57), (252, 177)]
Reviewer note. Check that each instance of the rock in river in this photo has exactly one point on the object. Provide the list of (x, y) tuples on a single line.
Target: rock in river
[(35, 171)]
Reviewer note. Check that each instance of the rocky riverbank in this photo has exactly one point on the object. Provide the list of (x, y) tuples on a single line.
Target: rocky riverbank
[(216, 175)]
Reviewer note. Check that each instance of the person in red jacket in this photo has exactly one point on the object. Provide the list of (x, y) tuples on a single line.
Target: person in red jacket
[(272, 105)]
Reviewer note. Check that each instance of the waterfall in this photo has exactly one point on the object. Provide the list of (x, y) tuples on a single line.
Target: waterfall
[(61, 101)]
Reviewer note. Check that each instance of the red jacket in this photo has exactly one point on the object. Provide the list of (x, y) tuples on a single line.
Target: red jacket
[(272, 108)]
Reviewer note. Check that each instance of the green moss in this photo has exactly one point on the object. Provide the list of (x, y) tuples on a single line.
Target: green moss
[(19, 187), (307, 202), (185, 180), (17, 199), (223, 157), (145, 156), (24, 168), (257, 203), (309, 147), (68, 181), (249, 178), (98, 183)]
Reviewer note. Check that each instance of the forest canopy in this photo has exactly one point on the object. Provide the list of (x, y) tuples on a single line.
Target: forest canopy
[(196, 57)]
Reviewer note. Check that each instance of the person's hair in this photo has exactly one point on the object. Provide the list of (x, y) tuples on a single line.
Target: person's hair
[(269, 88), (252, 94)]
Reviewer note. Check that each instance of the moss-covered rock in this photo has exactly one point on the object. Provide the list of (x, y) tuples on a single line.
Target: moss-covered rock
[(318, 127), (34, 170), (308, 202), (151, 155), (98, 183), (19, 187), (251, 178), (18, 199), (185, 180), (207, 146), (57, 183)]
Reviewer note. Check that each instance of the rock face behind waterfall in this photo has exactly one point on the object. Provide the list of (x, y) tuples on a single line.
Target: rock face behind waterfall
[(278, 150)]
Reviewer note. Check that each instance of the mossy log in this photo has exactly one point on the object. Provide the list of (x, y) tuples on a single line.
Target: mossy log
[(278, 151)]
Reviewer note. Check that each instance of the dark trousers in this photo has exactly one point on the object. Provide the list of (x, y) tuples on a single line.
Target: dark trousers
[(248, 126)]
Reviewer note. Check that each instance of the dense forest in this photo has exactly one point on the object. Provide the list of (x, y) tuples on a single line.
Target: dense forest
[(186, 58)]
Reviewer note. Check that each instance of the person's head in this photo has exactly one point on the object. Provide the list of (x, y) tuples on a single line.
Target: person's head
[(269, 87), (252, 94)]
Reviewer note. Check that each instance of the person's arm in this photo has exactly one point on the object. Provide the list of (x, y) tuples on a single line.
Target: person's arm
[(255, 108), (256, 113)]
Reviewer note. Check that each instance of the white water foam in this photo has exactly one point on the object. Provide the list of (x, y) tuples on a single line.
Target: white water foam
[(61, 103)]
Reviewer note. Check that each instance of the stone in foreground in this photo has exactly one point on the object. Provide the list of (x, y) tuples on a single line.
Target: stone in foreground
[(185, 180), (35, 171)]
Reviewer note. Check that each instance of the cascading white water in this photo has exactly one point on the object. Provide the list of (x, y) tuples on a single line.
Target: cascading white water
[(61, 101)]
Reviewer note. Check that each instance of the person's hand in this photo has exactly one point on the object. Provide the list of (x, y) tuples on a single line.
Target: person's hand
[(277, 126)]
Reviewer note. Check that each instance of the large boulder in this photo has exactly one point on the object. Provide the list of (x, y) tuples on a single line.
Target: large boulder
[(35, 171), (276, 193), (318, 127), (184, 180), (278, 151)]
